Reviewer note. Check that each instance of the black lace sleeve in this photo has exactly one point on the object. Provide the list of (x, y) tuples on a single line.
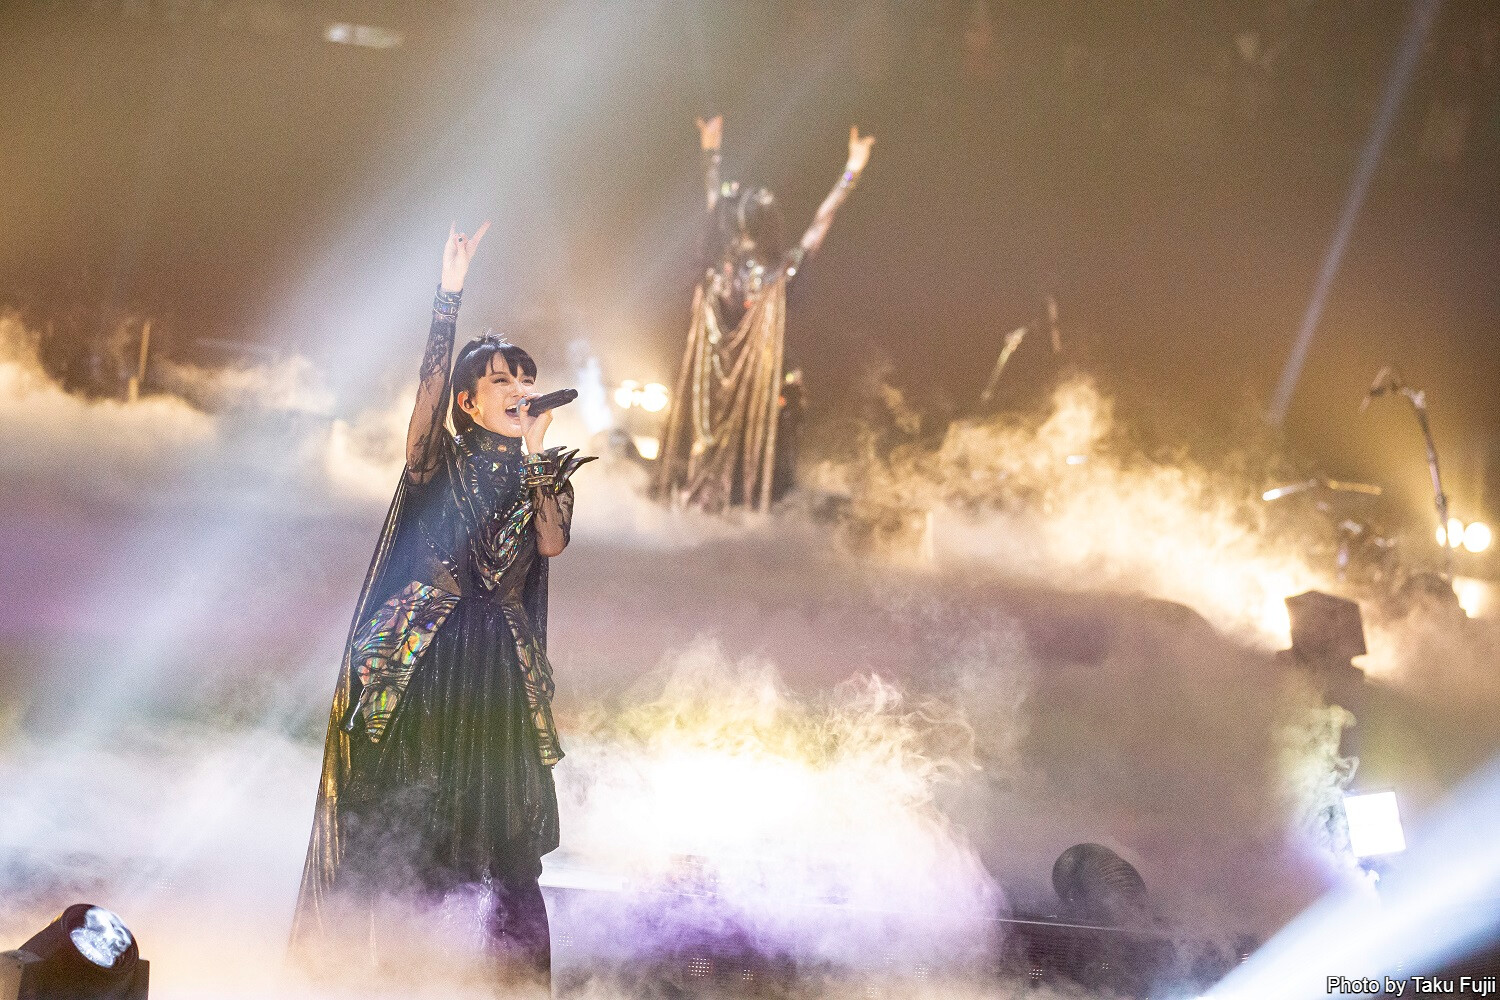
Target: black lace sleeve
[(554, 519), (424, 434), (548, 475)]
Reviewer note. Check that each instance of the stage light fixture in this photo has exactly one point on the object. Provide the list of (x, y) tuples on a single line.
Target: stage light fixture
[(1326, 631), (87, 953), (1374, 824), (1455, 533), (1477, 536), (1096, 884)]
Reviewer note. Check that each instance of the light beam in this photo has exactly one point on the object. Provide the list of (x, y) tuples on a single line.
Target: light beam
[(1417, 29)]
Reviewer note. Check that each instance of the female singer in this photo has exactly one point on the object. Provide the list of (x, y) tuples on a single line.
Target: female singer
[(437, 770)]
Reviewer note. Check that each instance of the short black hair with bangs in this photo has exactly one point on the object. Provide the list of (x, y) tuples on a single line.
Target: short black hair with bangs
[(476, 360)]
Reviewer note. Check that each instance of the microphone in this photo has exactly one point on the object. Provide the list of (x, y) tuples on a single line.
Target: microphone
[(551, 400)]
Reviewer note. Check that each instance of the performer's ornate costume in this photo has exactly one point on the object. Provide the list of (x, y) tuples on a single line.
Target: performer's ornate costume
[(437, 763), (719, 448)]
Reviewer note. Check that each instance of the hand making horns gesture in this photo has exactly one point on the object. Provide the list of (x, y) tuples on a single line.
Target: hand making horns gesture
[(457, 253), (711, 132), (859, 149)]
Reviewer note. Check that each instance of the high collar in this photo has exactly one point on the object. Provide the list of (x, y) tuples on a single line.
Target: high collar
[(480, 439)]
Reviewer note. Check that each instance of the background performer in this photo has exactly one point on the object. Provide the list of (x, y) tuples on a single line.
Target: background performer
[(720, 444)]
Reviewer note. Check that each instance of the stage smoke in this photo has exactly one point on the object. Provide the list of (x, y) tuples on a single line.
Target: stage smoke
[(1035, 624), (1062, 498)]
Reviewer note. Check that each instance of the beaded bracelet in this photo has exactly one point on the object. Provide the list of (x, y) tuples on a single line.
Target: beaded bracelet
[(446, 302)]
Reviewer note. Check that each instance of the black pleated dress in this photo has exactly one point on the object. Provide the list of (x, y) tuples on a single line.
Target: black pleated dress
[(455, 794)]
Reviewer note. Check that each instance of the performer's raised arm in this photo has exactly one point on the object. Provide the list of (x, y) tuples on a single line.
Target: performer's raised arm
[(709, 135), (424, 433), (859, 155)]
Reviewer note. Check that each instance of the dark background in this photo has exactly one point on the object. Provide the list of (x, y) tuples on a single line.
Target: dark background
[(1173, 172)]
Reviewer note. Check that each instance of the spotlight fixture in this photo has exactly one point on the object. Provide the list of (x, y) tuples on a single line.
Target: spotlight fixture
[(87, 953), (1325, 629), (1477, 536), (1374, 824), (1096, 884)]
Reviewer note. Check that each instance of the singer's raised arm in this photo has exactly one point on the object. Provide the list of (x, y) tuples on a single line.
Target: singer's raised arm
[(425, 431)]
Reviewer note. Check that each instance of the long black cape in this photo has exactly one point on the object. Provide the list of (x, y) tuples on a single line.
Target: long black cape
[(387, 574)]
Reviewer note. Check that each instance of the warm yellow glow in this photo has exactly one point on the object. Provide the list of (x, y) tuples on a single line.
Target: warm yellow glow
[(367, 36), (651, 397), (1455, 532), (1116, 520), (654, 397), (726, 778), (648, 446), (1477, 537), (1441, 534), (1476, 597)]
